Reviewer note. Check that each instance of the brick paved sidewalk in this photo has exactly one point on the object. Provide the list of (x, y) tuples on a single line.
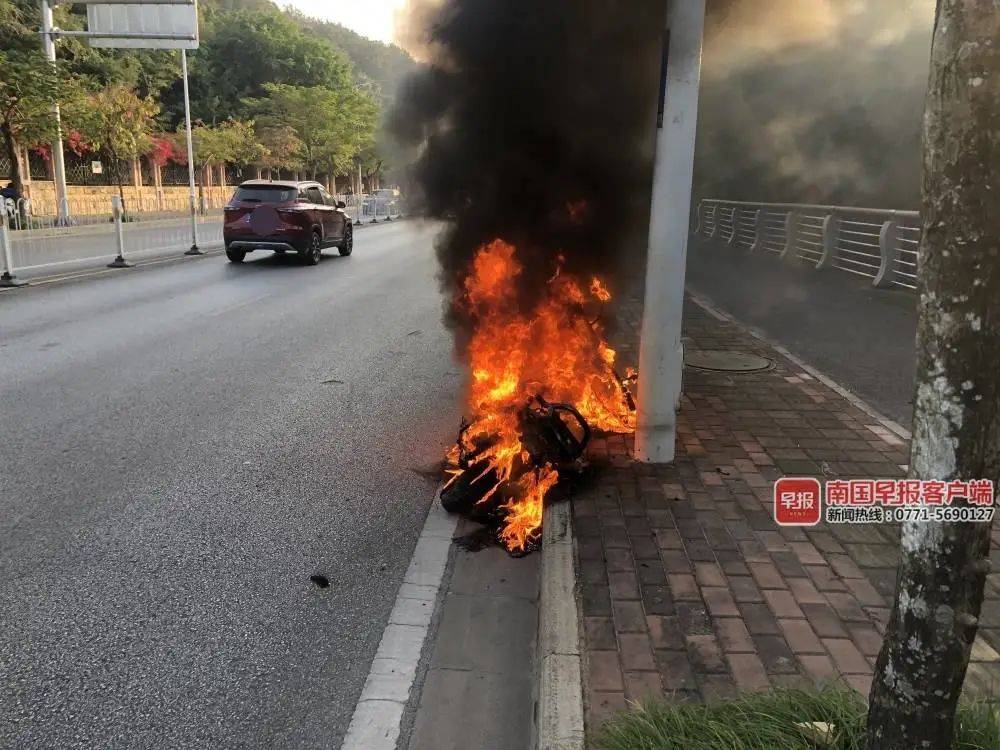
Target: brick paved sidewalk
[(688, 588)]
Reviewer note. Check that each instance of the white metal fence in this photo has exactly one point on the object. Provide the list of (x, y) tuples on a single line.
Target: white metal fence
[(36, 242), (367, 209), (878, 244), (97, 232)]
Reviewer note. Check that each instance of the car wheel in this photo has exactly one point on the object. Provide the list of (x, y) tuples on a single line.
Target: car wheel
[(347, 246), (312, 254), (235, 256)]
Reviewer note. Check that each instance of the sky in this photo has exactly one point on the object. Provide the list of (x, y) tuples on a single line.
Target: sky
[(374, 19)]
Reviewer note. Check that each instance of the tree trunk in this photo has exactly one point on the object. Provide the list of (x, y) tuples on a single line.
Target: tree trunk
[(956, 433), (10, 146)]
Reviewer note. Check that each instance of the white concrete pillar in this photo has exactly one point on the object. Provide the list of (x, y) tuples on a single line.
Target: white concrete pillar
[(661, 355)]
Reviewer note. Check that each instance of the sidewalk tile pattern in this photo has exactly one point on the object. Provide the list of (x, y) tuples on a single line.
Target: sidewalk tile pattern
[(688, 588)]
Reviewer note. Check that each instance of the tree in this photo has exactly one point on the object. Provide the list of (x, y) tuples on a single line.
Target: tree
[(385, 66), (351, 133), (282, 148), (233, 141), (28, 89), (119, 125), (939, 589), (371, 167), (245, 50), (331, 125), (29, 86), (247, 45)]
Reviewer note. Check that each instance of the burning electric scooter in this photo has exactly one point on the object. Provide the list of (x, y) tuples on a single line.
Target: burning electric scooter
[(542, 380)]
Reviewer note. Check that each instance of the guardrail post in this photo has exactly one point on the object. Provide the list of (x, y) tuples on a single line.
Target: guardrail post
[(22, 214), (733, 223), (888, 241), (791, 234), (758, 231), (8, 279), (831, 230), (700, 219), (116, 210), (715, 221)]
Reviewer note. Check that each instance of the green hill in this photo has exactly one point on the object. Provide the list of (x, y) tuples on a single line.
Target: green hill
[(374, 62)]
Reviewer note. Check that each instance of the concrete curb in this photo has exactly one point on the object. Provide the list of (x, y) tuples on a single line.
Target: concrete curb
[(560, 691)]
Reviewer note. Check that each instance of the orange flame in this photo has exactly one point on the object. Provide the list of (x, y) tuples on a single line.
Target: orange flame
[(556, 351), (600, 291)]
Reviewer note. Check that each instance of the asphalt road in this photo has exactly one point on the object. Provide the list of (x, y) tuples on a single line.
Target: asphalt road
[(183, 446), (863, 338)]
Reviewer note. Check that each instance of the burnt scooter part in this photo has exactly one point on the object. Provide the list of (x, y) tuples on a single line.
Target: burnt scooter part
[(553, 434)]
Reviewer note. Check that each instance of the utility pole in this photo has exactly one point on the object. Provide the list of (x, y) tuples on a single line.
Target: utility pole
[(192, 200), (58, 163), (956, 421), (661, 355)]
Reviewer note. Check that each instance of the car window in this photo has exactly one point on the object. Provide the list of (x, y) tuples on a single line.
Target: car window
[(327, 198), (313, 195), (264, 193)]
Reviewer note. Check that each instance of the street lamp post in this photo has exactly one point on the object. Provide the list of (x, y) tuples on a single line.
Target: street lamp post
[(661, 354), (58, 163), (194, 249)]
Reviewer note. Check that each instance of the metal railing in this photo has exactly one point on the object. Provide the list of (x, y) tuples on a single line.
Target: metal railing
[(103, 229), (99, 230), (367, 209), (879, 244)]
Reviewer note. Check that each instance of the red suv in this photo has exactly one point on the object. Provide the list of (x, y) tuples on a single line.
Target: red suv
[(285, 216)]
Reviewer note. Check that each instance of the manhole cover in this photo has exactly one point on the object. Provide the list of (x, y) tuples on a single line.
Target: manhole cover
[(726, 361)]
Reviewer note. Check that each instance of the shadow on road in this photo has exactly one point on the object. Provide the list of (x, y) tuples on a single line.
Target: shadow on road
[(270, 261)]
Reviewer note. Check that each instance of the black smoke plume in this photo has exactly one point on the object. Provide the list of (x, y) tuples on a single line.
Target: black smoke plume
[(814, 101), (535, 123)]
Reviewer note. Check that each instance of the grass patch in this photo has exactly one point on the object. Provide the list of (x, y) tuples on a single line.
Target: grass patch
[(767, 721)]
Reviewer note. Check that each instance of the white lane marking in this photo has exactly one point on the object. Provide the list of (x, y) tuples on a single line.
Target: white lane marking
[(377, 715)]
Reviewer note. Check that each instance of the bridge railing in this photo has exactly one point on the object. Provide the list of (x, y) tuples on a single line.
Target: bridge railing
[(879, 244)]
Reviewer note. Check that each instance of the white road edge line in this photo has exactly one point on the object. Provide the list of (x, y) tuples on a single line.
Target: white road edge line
[(377, 715), (560, 691), (715, 312)]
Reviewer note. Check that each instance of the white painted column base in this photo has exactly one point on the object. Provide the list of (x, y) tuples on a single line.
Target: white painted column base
[(656, 431)]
